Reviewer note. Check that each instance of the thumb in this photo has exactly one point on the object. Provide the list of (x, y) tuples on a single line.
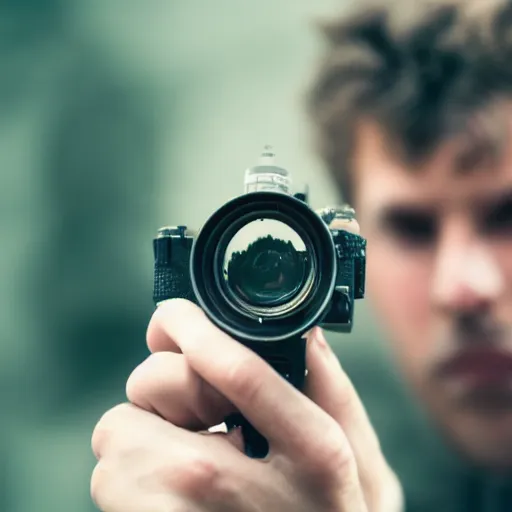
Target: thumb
[(326, 383), (331, 389)]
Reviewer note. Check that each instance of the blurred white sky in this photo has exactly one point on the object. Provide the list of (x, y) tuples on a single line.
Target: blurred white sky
[(232, 76)]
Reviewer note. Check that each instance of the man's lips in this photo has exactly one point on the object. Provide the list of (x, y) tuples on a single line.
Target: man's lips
[(480, 365)]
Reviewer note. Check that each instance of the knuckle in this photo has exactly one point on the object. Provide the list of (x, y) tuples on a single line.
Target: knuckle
[(132, 390), (115, 414), (167, 310), (335, 458), (245, 378), (330, 457), (100, 438), (197, 478), (98, 482), (384, 492), (203, 480), (105, 428), (140, 378), (176, 308)]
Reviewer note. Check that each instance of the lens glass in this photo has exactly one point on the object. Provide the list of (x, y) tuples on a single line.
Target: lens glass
[(266, 265)]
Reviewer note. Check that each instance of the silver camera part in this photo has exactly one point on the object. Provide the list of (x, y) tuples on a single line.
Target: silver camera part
[(267, 176), (330, 213)]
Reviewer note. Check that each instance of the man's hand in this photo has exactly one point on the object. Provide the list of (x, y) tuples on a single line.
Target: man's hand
[(154, 454)]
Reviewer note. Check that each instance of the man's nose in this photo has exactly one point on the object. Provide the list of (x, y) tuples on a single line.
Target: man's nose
[(467, 276)]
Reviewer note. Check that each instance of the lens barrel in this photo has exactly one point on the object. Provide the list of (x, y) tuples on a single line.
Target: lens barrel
[(263, 267)]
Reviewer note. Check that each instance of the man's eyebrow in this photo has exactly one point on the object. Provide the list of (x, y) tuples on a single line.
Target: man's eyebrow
[(406, 216), (398, 211)]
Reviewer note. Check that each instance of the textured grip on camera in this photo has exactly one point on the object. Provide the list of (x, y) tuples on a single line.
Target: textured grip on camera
[(171, 279), (172, 283), (350, 246)]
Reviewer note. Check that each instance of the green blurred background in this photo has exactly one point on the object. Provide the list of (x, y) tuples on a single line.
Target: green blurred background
[(119, 116)]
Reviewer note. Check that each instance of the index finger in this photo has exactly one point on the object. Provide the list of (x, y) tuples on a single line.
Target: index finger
[(281, 413), (157, 338)]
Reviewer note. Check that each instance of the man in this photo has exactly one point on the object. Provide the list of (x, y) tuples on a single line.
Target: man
[(413, 105)]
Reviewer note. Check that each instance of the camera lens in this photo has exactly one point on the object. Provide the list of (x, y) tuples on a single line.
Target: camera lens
[(263, 267), (267, 269)]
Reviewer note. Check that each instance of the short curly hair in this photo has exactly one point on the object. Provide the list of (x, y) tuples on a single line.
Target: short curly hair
[(423, 70)]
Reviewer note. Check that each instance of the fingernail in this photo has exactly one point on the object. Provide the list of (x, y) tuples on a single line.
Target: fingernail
[(236, 438), (318, 336)]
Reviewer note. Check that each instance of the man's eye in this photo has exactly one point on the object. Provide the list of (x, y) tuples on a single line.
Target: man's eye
[(499, 221), (413, 230)]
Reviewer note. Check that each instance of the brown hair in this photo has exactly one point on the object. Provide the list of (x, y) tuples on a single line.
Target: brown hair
[(423, 70)]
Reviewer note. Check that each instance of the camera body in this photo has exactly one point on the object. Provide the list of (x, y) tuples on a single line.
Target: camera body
[(266, 268), (172, 250)]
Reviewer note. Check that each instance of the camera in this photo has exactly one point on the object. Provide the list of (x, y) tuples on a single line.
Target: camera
[(265, 268)]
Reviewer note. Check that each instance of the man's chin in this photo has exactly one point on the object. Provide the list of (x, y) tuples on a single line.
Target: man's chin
[(491, 401), (482, 430)]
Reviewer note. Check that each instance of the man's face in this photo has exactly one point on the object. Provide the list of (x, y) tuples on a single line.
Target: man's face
[(439, 273)]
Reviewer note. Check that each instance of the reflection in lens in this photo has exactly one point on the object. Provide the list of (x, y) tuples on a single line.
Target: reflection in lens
[(266, 265)]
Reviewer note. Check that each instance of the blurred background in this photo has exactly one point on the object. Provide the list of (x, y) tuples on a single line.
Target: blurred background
[(117, 117)]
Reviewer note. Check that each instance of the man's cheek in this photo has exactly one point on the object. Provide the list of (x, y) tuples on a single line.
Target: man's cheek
[(503, 255), (398, 288)]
